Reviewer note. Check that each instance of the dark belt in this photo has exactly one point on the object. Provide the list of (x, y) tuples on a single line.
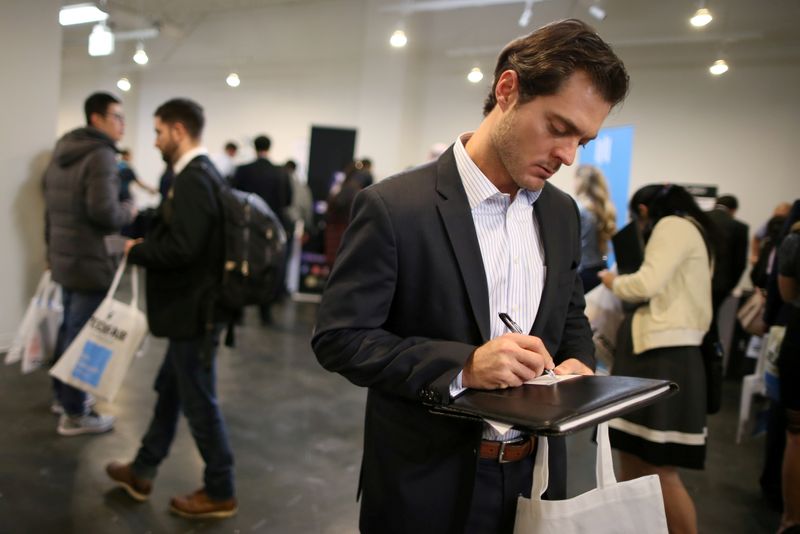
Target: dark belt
[(508, 451)]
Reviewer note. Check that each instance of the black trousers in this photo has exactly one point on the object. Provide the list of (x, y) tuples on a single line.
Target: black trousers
[(498, 486)]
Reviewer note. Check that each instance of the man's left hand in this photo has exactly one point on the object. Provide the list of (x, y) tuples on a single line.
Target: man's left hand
[(573, 366)]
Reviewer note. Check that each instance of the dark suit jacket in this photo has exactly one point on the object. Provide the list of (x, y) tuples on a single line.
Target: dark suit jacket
[(731, 253), (267, 181), (183, 254), (406, 305)]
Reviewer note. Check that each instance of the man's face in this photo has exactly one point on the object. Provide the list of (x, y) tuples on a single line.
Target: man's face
[(166, 140), (112, 123), (534, 139)]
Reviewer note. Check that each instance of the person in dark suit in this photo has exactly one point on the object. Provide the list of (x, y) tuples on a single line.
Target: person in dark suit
[(430, 258), (183, 257), (265, 179), (273, 184), (732, 249)]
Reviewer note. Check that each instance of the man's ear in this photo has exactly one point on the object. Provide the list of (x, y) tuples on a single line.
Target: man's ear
[(506, 90), (179, 130), (94, 118)]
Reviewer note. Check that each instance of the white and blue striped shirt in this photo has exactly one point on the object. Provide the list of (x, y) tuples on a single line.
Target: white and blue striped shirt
[(511, 248)]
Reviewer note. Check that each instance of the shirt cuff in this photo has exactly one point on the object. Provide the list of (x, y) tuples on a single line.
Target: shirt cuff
[(456, 388)]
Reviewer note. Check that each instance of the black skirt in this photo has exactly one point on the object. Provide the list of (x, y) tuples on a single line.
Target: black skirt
[(670, 432)]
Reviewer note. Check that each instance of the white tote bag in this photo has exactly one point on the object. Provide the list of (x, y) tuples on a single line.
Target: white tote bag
[(99, 357), (35, 339), (631, 507)]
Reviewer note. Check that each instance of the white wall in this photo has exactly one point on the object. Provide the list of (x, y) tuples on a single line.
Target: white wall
[(328, 63), (29, 94)]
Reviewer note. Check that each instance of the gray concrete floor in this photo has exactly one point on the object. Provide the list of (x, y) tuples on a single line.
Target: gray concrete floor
[(296, 433)]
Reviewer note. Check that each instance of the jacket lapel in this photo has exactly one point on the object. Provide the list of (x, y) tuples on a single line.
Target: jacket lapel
[(455, 213), (547, 218)]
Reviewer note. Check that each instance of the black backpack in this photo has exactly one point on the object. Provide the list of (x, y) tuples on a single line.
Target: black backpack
[(254, 247)]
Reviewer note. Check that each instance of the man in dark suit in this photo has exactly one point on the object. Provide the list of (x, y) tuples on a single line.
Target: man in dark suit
[(265, 179), (732, 243), (183, 257), (432, 256), (273, 184)]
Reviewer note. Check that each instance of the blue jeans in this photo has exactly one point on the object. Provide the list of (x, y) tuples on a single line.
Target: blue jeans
[(185, 381), (78, 309)]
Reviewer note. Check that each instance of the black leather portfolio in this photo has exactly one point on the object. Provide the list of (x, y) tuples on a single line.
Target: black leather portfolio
[(628, 248), (561, 408)]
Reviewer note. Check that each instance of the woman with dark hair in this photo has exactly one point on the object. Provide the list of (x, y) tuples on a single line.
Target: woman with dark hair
[(598, 222), (661, 339)]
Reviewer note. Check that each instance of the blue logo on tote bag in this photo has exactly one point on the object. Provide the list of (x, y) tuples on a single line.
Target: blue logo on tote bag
[(92, 363)]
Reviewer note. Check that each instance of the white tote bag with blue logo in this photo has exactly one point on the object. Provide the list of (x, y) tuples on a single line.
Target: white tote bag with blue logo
[(631, 507), (99, 357)]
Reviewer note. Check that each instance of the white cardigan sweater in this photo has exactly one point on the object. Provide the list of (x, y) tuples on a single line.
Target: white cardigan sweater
[(675, 278)]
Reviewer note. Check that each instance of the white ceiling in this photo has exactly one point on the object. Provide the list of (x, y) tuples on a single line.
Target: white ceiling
[(644, 31)]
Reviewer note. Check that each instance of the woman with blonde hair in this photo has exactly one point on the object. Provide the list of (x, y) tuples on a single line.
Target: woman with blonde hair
[(598, 222)]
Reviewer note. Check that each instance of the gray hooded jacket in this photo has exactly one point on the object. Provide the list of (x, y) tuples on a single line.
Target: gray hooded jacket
[(81, 191)]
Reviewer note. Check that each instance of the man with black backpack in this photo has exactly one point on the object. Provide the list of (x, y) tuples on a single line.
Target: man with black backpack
[(183, 254)]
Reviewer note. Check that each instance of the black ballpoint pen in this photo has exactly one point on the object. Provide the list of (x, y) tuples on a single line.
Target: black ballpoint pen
[(514, 327)]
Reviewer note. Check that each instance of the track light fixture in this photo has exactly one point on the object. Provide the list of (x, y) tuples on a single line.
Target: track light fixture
[(701, 18), (123, 84), (101, 40), (398, 39), (233, 80), (81, 14), (140, 57), (719, 67), (597, 12), (525, 18), (475, 75)]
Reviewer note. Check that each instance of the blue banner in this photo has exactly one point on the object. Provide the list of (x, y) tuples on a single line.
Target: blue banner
[(611, 152)]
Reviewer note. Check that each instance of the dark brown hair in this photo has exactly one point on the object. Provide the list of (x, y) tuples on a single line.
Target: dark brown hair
[(545, 58), (187, 112)]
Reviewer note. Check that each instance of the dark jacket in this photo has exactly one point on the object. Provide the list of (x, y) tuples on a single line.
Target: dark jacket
[(406, 305), (183, 254), (81, 192), (267, 181), (731, 253)]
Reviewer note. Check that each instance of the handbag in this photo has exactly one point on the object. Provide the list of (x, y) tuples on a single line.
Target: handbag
[(100, 355), (711, 350), (751, 314), (772, 349), (605, 314), (630, 507), (35, 339)]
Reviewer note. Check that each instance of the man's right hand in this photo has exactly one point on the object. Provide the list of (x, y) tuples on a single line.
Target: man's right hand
[(506, 361)]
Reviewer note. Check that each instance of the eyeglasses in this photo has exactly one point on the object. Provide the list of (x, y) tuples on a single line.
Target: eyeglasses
[(119, 116)]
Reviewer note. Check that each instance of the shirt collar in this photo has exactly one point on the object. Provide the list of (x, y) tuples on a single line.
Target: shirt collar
[(188, 156), (478, 187)]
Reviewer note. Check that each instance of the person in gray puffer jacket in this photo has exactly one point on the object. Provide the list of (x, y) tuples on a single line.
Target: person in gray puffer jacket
[(82, 207)]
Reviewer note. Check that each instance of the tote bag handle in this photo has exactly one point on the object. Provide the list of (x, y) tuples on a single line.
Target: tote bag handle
[(42, 286), (604, 466), (134, 282)]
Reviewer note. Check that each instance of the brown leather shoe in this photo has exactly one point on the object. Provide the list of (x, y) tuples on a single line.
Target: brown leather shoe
[(199, 505), (122, 474)]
